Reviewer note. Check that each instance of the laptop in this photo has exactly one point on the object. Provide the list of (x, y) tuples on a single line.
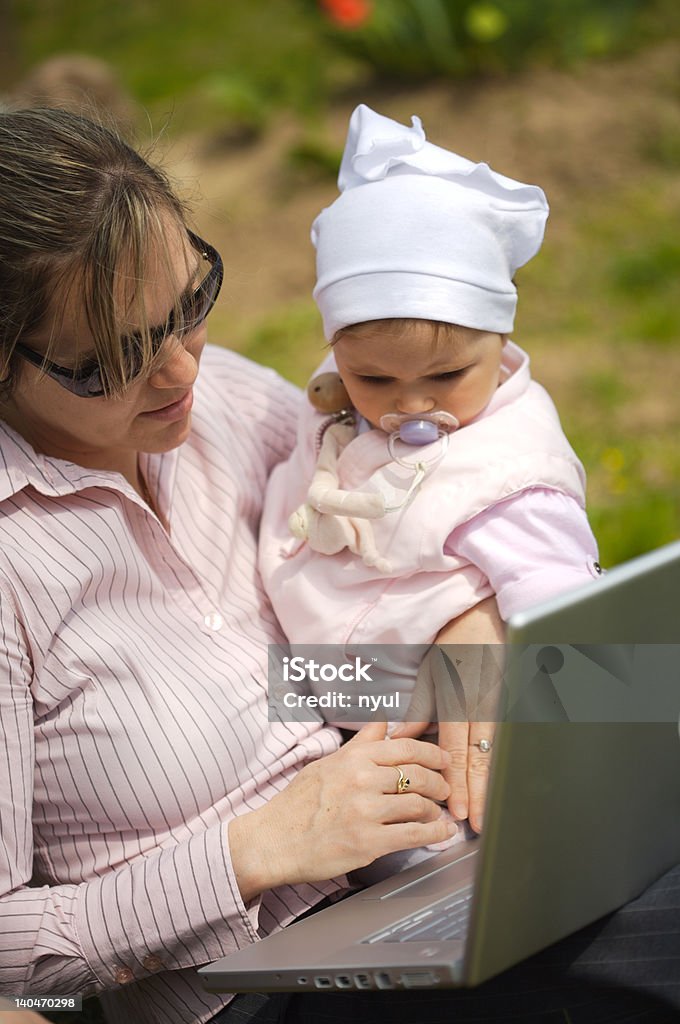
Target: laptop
[(582, 812)]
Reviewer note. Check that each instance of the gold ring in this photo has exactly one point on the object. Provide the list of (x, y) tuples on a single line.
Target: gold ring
[(403, 782)]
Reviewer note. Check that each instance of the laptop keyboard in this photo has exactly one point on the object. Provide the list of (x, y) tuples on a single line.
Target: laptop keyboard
[(447, 919)]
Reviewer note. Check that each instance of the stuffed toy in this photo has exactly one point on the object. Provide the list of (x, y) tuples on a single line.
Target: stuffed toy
[(333, 519)]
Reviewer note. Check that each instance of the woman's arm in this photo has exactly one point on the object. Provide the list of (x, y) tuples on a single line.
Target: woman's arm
[(477, 639), (37, 933), (180, 906), (457, 694)]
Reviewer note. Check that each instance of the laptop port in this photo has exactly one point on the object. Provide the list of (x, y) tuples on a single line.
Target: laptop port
[(418, 979), (302, 980), (362, 981), (342, 981), (323, 982), (383, 980)]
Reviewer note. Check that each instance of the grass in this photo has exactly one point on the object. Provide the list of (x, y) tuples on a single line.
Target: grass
[(617, 392), (290, 340)]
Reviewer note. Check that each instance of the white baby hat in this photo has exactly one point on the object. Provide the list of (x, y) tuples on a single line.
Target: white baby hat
[(421, 232)]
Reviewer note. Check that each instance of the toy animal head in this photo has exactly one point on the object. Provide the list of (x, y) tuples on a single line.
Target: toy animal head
[(328, 394)]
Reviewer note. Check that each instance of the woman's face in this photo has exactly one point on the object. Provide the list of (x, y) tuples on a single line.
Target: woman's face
[(154, 414)]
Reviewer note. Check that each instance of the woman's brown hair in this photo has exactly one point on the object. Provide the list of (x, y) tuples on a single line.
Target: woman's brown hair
[(78, 208)]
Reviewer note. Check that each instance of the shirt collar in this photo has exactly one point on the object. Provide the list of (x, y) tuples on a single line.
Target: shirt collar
[(21, 466)]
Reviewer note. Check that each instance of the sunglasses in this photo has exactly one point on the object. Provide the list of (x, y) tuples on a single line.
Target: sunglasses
[(86, 382)]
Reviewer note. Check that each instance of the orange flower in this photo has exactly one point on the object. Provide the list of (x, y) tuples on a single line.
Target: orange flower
[(347, 13)]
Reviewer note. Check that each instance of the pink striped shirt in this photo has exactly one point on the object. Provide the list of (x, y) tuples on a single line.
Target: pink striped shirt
[(133, 708)]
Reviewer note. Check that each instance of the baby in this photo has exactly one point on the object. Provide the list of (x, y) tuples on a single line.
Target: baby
[(440, 474)]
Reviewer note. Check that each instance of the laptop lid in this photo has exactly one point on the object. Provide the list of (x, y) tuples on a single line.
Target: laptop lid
[(584, 810)]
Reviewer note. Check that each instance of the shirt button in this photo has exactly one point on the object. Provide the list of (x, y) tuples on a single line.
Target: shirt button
[(152, 963), (123, 975), (214, 621)]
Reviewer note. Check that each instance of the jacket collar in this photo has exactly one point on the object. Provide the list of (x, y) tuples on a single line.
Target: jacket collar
[(515, 379)]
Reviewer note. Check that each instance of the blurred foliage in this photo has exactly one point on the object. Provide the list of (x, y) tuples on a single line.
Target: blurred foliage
[(202, 63), (244, 59), (313, 158), (290, 340), (420, 39), (611, 298)]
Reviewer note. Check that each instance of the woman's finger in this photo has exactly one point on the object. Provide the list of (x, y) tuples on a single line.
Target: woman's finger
[(479, 763), (407, 835), (410, 807), (369, 733), (454, 739), (409, 729), (410, 751), (413, 779)]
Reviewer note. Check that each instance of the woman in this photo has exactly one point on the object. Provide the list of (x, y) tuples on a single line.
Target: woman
[(152, 819), (134, 627)]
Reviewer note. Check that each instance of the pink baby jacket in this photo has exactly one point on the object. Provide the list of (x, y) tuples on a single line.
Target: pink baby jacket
[(516, 443)]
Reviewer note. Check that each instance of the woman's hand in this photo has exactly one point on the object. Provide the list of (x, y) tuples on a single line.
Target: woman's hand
[(343, 811), (458, 684)]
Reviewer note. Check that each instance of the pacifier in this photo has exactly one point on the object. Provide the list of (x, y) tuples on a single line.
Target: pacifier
[(421, 429), (417, 431)]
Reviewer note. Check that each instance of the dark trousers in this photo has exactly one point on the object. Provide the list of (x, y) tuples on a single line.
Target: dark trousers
[(624, 968)]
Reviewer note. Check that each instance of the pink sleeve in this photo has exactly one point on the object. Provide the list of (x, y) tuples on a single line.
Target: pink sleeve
[(531, 547)]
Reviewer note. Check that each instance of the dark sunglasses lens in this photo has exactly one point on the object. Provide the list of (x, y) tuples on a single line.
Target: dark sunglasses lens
[(195, 309), (93, 386), (197, 306), (84, 386)]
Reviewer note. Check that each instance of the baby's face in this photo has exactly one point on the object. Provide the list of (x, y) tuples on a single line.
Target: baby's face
[(408, 372)]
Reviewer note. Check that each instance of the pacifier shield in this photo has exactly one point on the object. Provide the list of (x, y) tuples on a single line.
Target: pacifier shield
[(419, 430)]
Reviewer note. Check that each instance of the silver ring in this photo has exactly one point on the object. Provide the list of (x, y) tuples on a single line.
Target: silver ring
[(484, 746)]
